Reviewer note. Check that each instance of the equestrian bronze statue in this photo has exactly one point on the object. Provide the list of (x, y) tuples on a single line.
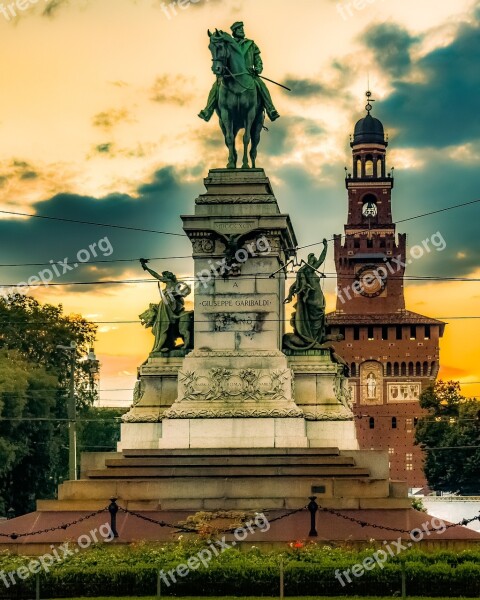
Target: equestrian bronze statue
[(238, 96)]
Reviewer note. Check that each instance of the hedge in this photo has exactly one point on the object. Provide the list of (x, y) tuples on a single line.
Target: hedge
[(438, 579)]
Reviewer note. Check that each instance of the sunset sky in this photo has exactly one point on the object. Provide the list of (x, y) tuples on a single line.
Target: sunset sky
[(98, 123)]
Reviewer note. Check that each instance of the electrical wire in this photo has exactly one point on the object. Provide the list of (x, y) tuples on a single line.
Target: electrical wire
[(433, 212), (143, 230), (64, 219), (201, 280)]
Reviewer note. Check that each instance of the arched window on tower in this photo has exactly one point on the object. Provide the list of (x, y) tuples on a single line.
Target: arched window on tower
[(379, 167), (369, 166), (411, 370), (353, 370), (371, 423), (403, 372), (389, 369), (425, 368), (418, 368), (359, 168), (396, 370)]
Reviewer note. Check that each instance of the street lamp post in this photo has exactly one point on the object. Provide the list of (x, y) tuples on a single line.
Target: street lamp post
[(72, 406)]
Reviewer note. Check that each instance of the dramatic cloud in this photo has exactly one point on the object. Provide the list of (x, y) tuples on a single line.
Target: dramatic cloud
[(156, 205), (107, 120), (22, 182), (104, 148), (391, 45), (172, 90), (307, 88), (17, 169), (443, 109), (53, 7)]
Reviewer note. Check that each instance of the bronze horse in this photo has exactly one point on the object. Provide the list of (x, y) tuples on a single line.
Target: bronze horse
[(239, 105)]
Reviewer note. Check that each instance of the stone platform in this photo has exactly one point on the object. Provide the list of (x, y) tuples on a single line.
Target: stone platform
[(243, 479)]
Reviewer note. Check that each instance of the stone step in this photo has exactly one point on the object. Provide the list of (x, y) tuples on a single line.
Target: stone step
[(196, 504), (227, 472), (230, 461), (154, 453), (217, 488)]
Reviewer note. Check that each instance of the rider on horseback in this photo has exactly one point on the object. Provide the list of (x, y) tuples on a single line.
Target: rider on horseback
[(254, 64)]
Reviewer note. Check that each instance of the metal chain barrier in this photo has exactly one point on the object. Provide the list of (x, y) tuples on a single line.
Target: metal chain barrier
[(180, 528), (16, 536), (362, 523), (185, 529), (312, 507)]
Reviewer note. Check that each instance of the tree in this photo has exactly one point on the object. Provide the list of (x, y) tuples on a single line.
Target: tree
[(35, 331), (450, 433), (28, 447), (34, 387), (100, 429)]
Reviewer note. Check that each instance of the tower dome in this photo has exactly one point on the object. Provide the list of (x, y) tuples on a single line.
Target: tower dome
[(369, 130)]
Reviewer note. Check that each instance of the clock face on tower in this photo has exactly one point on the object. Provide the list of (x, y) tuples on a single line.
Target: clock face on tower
[(372, 282), (369, 209)]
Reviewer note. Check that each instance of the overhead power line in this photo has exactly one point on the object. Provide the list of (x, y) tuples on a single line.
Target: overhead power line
[(144, 230), (199, 279), (286, 320), (433, 212), (112, 226), (94, 262)]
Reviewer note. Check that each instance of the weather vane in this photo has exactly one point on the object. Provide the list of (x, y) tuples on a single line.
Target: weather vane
[(369, 101)]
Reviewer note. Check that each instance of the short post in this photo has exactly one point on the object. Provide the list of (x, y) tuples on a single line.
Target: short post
[(113, 510), (313, 508), (37, 586), (404, 580), (159, 585), (282, 580)]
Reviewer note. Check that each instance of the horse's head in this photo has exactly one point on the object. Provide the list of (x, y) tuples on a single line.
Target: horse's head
[(220, 48)]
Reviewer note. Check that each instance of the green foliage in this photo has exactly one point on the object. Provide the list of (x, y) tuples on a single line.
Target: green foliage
[(452, 423), (27, 392), (35, 331), (417, 504), (34, 386), (99, 430), (132, 571)]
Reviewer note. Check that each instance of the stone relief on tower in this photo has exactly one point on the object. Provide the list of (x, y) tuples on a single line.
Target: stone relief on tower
[(371, 383), (403, 392)]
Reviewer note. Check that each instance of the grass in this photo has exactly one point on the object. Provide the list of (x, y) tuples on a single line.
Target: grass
[(270, 598)]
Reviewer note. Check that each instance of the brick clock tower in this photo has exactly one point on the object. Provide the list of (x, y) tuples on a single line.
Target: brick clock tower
[(392, 352)]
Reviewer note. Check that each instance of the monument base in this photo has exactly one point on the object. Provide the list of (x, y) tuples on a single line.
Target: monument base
[(243, 478), (234, 433)]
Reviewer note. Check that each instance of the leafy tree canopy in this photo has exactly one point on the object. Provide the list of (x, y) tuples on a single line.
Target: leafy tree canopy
[(34, 387), (450, 433)]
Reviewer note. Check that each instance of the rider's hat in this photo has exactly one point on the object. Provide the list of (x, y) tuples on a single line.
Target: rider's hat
[(236, 26)]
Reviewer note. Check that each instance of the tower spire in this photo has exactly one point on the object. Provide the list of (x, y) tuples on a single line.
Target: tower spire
[(369, 106)]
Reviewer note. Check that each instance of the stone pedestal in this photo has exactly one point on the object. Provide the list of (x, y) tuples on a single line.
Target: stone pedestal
[(155, 392), (323, 395), (237, 388)]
